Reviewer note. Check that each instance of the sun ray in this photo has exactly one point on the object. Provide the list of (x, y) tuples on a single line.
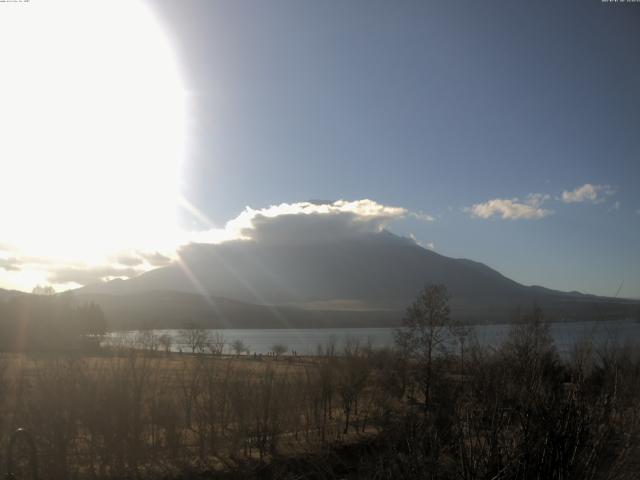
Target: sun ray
[(201, 290)]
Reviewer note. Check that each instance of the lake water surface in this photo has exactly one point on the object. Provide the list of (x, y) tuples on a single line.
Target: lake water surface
[(306, 341)]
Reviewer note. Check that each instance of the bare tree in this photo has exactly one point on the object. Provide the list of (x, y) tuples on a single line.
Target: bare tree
[(239, 347), (529, 350), (279, 349), (427, 327), (148, 341), (196, 338), (352, 376), (165, 341), (217, 343)]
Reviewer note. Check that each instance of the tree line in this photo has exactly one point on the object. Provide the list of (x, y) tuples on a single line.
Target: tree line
[(49, 322)]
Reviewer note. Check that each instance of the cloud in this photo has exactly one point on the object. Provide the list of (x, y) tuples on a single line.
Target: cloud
[(424, 217), (429, 245), (305, 222), (537, 199), (7, 247), (90, 274), (308, 222), (10, 264), (138, 258), (126, 265), (129, 260), (588, 193), (156, 259), (512, 209)]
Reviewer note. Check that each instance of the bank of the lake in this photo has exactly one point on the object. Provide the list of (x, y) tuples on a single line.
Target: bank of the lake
[(307, 341)]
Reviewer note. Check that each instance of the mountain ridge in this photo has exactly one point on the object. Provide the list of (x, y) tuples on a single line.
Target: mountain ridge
[(306, 283)]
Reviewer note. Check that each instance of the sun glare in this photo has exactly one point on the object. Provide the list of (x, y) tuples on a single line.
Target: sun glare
[(92, 125)]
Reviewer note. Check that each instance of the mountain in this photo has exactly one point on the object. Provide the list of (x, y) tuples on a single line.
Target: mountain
[(380, 269), (9, 294), (365, 279)]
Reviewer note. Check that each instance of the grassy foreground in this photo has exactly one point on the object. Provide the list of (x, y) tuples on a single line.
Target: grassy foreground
[(515, 412)]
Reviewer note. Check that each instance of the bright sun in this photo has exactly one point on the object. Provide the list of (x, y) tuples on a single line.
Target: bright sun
[(92, 129)]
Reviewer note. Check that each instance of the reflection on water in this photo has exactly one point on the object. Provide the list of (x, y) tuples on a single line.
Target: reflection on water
[(306, 341)]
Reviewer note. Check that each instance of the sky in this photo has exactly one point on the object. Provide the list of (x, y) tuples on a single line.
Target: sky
[(505, 132)]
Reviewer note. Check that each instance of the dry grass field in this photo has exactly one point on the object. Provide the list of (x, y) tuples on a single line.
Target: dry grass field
[(517, 411), (116, 413)]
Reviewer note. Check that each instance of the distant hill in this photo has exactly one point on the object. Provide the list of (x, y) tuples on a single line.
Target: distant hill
[(8, 294), (364, 280), (163, 309)]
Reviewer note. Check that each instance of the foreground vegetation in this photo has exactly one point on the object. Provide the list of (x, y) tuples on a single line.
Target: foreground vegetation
[(47, 322), (437, 406)]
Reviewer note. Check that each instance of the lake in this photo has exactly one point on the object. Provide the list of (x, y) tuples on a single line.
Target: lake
[(306, 341)]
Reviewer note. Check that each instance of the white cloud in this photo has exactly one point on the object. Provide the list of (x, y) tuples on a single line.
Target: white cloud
[(6, 247), (156, 259), (537, 199), (512, 209), (305, 222), (10, 264), (22, 271), (588, 193), (129, 260), (429, 245), (424, 217)]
